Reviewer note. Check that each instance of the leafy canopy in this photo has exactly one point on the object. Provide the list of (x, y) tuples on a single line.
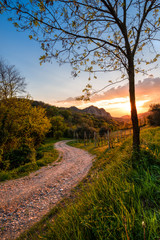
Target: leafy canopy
[(98, 34), (20, 123)]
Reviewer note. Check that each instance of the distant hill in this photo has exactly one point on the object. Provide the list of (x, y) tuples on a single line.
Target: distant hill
[(127, 118), (99, 112), (74, 109), (144, 115), (140, 115), (122, 119)]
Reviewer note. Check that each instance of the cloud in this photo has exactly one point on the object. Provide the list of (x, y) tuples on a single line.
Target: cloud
[(70, 99), (68, 102), (112, 93), (149, 86), (146, 88), (149, 89)]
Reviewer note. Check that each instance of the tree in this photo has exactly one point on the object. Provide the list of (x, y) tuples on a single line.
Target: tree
[(154, 117), (103, 130), (58, 126), (85, 129), (98, 35), (22, 129), (11, 83)]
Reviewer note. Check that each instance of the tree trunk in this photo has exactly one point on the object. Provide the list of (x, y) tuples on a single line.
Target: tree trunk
[(134, 116)]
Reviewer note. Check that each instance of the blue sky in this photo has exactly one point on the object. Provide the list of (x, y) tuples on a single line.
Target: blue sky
[(50, 82)]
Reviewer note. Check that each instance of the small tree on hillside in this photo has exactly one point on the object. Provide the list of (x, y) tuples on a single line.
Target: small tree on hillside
[(97, 35), (11, 83), (58, 127), (154, 117)]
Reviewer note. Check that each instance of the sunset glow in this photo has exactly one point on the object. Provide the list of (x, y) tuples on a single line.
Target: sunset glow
[(116, 107), (119, 106), (147, 93)]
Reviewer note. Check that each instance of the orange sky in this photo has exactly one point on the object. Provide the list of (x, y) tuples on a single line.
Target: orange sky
[(116, 100)]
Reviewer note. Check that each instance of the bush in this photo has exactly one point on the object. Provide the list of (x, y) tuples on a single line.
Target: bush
[(39, 155), (17, 157), (103, 131), (58, 127), (154, 117), (85, 129), (27, 168), (69, 133), (58, 134), (4, 176)]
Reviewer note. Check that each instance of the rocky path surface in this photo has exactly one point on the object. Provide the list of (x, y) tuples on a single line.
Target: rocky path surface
[(24, 201)]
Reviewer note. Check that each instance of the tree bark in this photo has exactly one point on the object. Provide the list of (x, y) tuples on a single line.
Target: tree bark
[(134, 116)]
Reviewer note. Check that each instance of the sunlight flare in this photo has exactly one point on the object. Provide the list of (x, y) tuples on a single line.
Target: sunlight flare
[(120, 105)]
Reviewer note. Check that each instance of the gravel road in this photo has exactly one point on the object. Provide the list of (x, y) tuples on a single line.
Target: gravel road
[(24, 201)]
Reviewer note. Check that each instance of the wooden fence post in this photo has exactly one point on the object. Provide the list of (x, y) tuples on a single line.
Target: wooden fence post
[(95, 139), (77, 136), (85, 139), (108, 139), (117, 136), (74, 135), (121, 134), (125, 133), (105, 139)]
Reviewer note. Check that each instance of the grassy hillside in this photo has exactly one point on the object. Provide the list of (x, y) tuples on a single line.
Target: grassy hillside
[(120, 198)]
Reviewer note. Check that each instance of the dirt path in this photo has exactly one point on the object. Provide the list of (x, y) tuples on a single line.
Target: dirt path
[(24, 201)]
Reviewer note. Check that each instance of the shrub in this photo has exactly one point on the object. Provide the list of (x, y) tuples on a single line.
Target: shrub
[(154, 117), (39, 155)]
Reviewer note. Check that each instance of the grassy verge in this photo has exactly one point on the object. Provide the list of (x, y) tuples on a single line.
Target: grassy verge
[(47, 154), (121, 200)]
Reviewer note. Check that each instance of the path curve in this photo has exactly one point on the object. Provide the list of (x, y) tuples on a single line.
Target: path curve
[(24, 201)]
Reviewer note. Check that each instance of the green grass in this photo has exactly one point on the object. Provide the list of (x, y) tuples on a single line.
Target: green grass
[(119, 199), (49, 155)]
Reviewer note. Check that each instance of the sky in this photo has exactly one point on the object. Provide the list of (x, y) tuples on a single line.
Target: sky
[(53, 84), (116, 100)]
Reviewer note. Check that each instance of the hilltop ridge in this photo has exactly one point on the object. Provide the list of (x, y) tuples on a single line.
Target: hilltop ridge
[(101, 112)]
